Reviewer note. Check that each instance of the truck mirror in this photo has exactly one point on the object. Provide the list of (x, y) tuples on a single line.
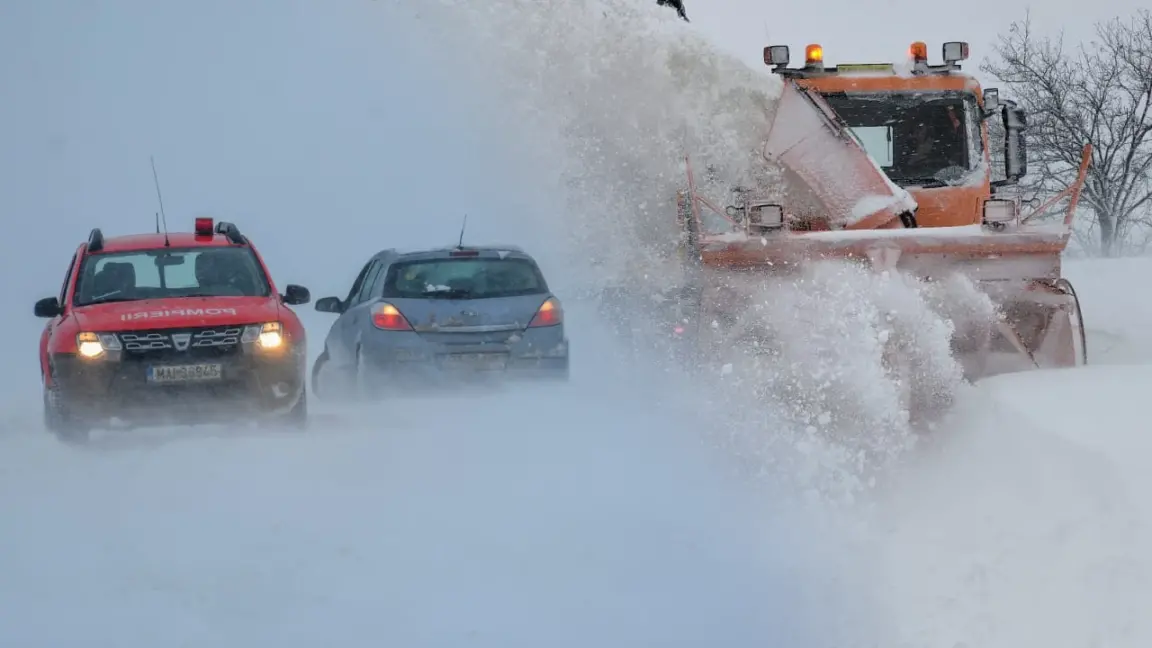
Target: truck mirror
[(991, 100), (1015, 144)]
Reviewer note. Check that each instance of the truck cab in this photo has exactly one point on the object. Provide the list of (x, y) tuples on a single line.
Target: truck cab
[(926, 126)]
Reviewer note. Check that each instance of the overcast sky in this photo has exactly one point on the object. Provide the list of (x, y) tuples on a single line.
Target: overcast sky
[(881, 30)]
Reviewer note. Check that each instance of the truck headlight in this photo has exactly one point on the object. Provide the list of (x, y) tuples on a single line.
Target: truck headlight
[(269, 335), (94, 345)]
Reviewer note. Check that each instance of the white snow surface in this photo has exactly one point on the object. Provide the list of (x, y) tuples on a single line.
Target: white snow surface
[(590, 515), (631, 507), (571, 517), (594, 514)]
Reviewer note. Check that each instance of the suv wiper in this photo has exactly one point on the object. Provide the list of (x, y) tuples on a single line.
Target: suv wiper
[(109, 300)]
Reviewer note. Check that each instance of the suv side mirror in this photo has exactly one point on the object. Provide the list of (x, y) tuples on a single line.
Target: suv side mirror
[(330, 305), (1015, 146), (48, 308), (295, 295)]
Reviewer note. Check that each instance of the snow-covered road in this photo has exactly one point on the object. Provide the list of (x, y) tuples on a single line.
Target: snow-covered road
[(587, 515), (1026, 521)]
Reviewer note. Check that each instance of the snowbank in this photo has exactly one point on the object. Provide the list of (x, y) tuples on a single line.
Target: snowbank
[(1026, 520), (1117, 316)]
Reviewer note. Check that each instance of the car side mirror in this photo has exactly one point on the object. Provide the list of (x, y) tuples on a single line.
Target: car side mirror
[(48, 308), (295, 295), (330, 305)]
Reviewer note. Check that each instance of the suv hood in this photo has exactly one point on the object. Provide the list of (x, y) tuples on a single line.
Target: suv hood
[(177, 313)]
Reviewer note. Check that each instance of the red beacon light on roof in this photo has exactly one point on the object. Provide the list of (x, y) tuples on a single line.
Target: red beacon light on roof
[(203, 226), (814, 55), (918, 51)]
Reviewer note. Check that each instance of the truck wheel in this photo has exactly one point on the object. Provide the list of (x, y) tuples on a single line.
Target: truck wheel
[(62, 423)]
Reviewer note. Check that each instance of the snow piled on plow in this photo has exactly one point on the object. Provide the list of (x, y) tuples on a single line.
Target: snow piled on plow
[(818, 349)]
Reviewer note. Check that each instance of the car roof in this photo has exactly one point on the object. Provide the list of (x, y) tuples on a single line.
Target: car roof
[(139, 242), (483, 252)]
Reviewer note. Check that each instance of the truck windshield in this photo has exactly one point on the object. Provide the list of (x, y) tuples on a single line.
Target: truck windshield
[(918, 138), (169, 273)]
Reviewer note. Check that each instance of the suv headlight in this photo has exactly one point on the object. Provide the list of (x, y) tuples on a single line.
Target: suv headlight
[(94, 345), (269, 335)]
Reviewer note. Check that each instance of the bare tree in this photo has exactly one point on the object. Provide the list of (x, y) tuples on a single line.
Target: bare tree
[(1101, 93)]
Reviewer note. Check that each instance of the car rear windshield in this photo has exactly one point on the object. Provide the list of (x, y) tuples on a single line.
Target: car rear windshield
[(464, 279), (170, 272)]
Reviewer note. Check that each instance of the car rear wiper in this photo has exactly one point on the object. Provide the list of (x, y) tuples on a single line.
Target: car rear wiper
[(446, 294)]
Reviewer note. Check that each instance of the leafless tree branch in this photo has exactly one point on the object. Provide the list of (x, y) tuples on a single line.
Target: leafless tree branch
[(1098, 93)]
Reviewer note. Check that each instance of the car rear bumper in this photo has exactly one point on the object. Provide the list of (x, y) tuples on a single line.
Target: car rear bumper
[(402, 359), (248, 386)]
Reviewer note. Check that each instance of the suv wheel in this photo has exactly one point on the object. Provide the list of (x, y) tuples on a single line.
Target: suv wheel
[(297, 417), (60, 421)]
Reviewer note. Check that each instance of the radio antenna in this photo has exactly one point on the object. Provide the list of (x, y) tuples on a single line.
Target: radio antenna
[(460, 243), (162, 217)]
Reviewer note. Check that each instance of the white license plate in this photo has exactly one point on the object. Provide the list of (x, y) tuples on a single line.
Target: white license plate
[(184, 373), (482, 361)]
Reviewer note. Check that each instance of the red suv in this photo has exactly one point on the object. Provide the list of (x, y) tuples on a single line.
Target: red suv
[(171, 328)]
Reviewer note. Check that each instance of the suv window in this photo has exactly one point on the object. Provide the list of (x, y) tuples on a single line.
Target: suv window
[(67, 279), (168, 273), (467, 278)]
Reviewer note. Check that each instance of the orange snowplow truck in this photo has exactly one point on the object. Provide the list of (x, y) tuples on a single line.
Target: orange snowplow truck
[(894, 167)]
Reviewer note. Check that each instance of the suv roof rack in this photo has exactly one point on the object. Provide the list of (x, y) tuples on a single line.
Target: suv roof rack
[(95, 240), (231, 232)]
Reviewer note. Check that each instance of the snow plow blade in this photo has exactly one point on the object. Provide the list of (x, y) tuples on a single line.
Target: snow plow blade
[(842, 184)]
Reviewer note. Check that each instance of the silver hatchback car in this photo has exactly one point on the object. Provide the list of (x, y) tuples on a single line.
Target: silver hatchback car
[(422, 318)]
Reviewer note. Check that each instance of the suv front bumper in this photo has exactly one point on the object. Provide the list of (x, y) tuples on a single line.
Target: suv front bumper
[(239, 386)]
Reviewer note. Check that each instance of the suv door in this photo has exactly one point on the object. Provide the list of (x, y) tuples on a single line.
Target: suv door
[(50, 326), (356, 316)]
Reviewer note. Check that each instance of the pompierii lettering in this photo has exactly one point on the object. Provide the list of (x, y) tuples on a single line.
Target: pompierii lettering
[(177, 312)]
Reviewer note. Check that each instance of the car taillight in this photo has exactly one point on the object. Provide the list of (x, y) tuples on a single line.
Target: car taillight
[(388, 318), (549, 314)]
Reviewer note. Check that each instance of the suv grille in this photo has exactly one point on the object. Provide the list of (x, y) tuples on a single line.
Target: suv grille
[(176, 342)]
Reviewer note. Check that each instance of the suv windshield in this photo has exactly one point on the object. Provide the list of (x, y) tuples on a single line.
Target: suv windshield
[(917, 138), (170, 272), (469, 278)]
